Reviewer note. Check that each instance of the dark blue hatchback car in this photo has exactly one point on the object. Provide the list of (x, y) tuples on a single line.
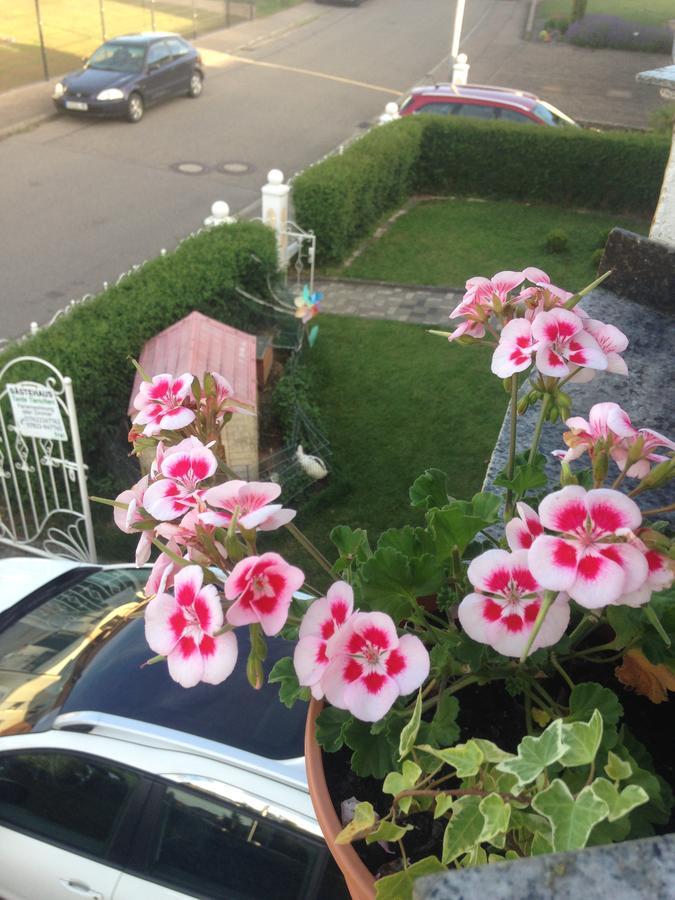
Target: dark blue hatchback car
[(129, 73)]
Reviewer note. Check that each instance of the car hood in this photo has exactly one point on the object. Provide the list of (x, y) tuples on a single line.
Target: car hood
[(20, 576), (89, 81)]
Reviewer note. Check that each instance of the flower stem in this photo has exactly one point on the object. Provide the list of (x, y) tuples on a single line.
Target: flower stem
[(547, 602), (565, 677), (309, 547), (585, 626), (540, 424), (653, 620), (658, 509), (528, 712), (508, 508)]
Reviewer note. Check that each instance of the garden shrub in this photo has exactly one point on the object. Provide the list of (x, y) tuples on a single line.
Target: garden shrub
[(557, 241), (662, 119), (596, 256), (619, 34), (93, 344)]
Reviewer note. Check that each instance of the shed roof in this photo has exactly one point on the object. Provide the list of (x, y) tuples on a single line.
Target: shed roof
[(199, 344)]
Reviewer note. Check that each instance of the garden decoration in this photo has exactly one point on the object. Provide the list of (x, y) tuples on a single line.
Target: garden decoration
[(467, 664)]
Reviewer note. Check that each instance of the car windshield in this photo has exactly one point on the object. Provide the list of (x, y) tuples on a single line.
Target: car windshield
[(116, 57), (553, 116)]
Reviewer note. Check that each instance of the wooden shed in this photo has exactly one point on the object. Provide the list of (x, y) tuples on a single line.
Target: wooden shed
[(199, 344)]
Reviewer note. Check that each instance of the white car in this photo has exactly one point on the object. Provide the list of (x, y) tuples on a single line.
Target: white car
[(118, 784)]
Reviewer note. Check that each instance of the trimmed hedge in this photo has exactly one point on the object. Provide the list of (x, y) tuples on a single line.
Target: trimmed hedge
[(617, 171), (93, 343)]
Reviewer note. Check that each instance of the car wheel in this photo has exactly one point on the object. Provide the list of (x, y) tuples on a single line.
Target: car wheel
[(135, 107), (196, 84)]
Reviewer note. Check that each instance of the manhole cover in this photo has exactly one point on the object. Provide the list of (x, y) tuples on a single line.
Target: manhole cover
[(235, 168), (189, 168), (364, 125)]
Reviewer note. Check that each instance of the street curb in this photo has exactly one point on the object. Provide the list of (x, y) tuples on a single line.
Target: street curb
[(26, 125)]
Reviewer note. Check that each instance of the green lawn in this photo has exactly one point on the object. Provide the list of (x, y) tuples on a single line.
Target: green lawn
[(648, 12), (395, 401), (446, 242)]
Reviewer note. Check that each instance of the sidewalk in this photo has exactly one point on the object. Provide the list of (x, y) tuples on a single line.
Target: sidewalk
[(415, 304)]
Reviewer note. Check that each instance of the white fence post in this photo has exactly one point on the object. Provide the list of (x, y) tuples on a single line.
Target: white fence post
[(81, 468), (460, 70), (275, 211)]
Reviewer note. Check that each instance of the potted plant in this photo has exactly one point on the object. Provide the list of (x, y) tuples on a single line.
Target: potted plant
[(463, 673)]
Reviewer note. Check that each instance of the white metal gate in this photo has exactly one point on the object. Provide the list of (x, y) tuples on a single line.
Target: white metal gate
[(44, 504)]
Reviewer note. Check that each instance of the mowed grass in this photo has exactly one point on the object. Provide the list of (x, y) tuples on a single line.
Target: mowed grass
[(647, 12), (396, 401), (446, 242)]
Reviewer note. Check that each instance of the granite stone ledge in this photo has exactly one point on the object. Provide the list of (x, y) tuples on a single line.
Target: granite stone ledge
[(633, 870), (643, 269)]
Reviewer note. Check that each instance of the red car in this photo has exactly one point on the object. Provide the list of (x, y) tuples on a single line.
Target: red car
[(481, 101)]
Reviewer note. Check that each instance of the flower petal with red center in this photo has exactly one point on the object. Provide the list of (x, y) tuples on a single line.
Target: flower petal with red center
[(611, 510), (490, 571), (553, 562), (599, 580)]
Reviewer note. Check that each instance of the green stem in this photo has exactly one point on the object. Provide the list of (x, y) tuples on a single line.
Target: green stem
[(563, 674), (528, 712), (658, 509), (544, 696), (540, 424), (309, 547), (572, 302), (510, 465), (653, 620), (547, 602), (585, 626)]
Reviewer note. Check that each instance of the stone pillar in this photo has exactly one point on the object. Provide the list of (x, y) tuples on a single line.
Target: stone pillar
[(275, 211), (663, 224)]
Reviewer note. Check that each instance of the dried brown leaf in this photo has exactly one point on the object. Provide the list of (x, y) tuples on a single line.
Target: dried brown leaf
[(644, 677)]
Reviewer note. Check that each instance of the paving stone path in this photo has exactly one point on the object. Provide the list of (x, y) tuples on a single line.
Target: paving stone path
[(376, 300)]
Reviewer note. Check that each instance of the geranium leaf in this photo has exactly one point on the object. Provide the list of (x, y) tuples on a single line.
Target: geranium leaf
[(373, 754), (391, 582), (330, 728), (444, 729), (430, 489), (410, 729), (360, 825), (534, 754), (465, 758), (618, 769), (581, 740), (400, 885), (496, 814), (619, 804), (452, 527), (587, 696), (572, 819), (464, 829), (388, 831), (283, 673)]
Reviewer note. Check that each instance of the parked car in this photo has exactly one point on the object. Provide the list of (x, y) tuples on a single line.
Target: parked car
[(117, 783), (129, 73), (481, 101)]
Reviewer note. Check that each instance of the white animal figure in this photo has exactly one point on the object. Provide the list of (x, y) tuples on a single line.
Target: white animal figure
[(311, 465)]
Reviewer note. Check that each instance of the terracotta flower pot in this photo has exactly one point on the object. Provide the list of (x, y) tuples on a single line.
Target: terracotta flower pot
[(360, 882)]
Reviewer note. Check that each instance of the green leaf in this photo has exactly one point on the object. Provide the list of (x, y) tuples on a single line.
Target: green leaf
[(388, 831), (409, 541), (400, 885), (452, 527), (572, 819), (360, 825), (619, 804), (405, 780), (374, 754), (430, 489), (496, 814), (297, 610), (627, 623), (409, 732), (283, 673), (618, 769), (464, 829), (330, 728), (444, 802), (581, 740), (534, 754), (588, 696), (351, 543), (526, 476), (492, 752), (540, 845), (444, 729), (476, 857), (391, 582), (486, 506), (465, 758)]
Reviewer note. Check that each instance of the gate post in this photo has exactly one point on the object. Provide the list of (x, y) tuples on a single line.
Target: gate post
[(275, 211), (79, 459)]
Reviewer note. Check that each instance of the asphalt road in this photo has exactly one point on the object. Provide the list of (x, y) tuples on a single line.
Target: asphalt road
[(84, 200)]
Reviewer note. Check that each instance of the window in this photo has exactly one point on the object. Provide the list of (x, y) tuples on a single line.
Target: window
[(117, 58), (64, 798), (478, 111), (552, 116), (439, 109), (158, 54), (512, 115), (205, 846), (177, 48)]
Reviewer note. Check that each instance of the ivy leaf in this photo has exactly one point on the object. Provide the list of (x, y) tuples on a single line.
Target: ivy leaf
[(444, 802), (430, 489), (534, 754), (464, 829), (465, 758), (588, 696), (360, 825), (391, 582), (444, 729), (491, 752), (581, 740), (572, 819), (330, 728), (476, 857), (283, 673), (373, 754), (540, 845), (388, 831), (619, 804), (496, 814), (405, 780), (409, 732), (618, 769), (400, 885)]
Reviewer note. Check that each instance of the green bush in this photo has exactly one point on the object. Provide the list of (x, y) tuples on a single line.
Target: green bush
[(93, 343), (344, 197), (596, 256), (557, 241)]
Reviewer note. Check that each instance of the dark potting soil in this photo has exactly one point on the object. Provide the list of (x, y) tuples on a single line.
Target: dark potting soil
[(490, 712)]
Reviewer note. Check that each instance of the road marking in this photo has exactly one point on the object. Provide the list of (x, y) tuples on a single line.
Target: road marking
[(217, 59)]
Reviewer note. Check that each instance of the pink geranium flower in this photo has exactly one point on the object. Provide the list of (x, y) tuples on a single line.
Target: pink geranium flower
[(262, 588), (371, 666), (126, 518), (183, 468), (478, 302), (523, 529), (612, 342), (590, 558), (505, 605), (183, 628), (562, 343), (320, 625), (515, 349), (660, 576), (252, 499), (607, 426), (161, 403), (646, 440)]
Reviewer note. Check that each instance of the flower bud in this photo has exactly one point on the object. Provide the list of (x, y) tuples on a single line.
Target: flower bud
[(567, 476), (659, 475), (523, 404)]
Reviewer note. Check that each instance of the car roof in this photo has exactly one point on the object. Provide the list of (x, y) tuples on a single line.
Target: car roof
[(144, 37), (20, 576), (482, 92)]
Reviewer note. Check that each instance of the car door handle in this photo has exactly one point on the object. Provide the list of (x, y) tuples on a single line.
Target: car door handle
[(82, 890)]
